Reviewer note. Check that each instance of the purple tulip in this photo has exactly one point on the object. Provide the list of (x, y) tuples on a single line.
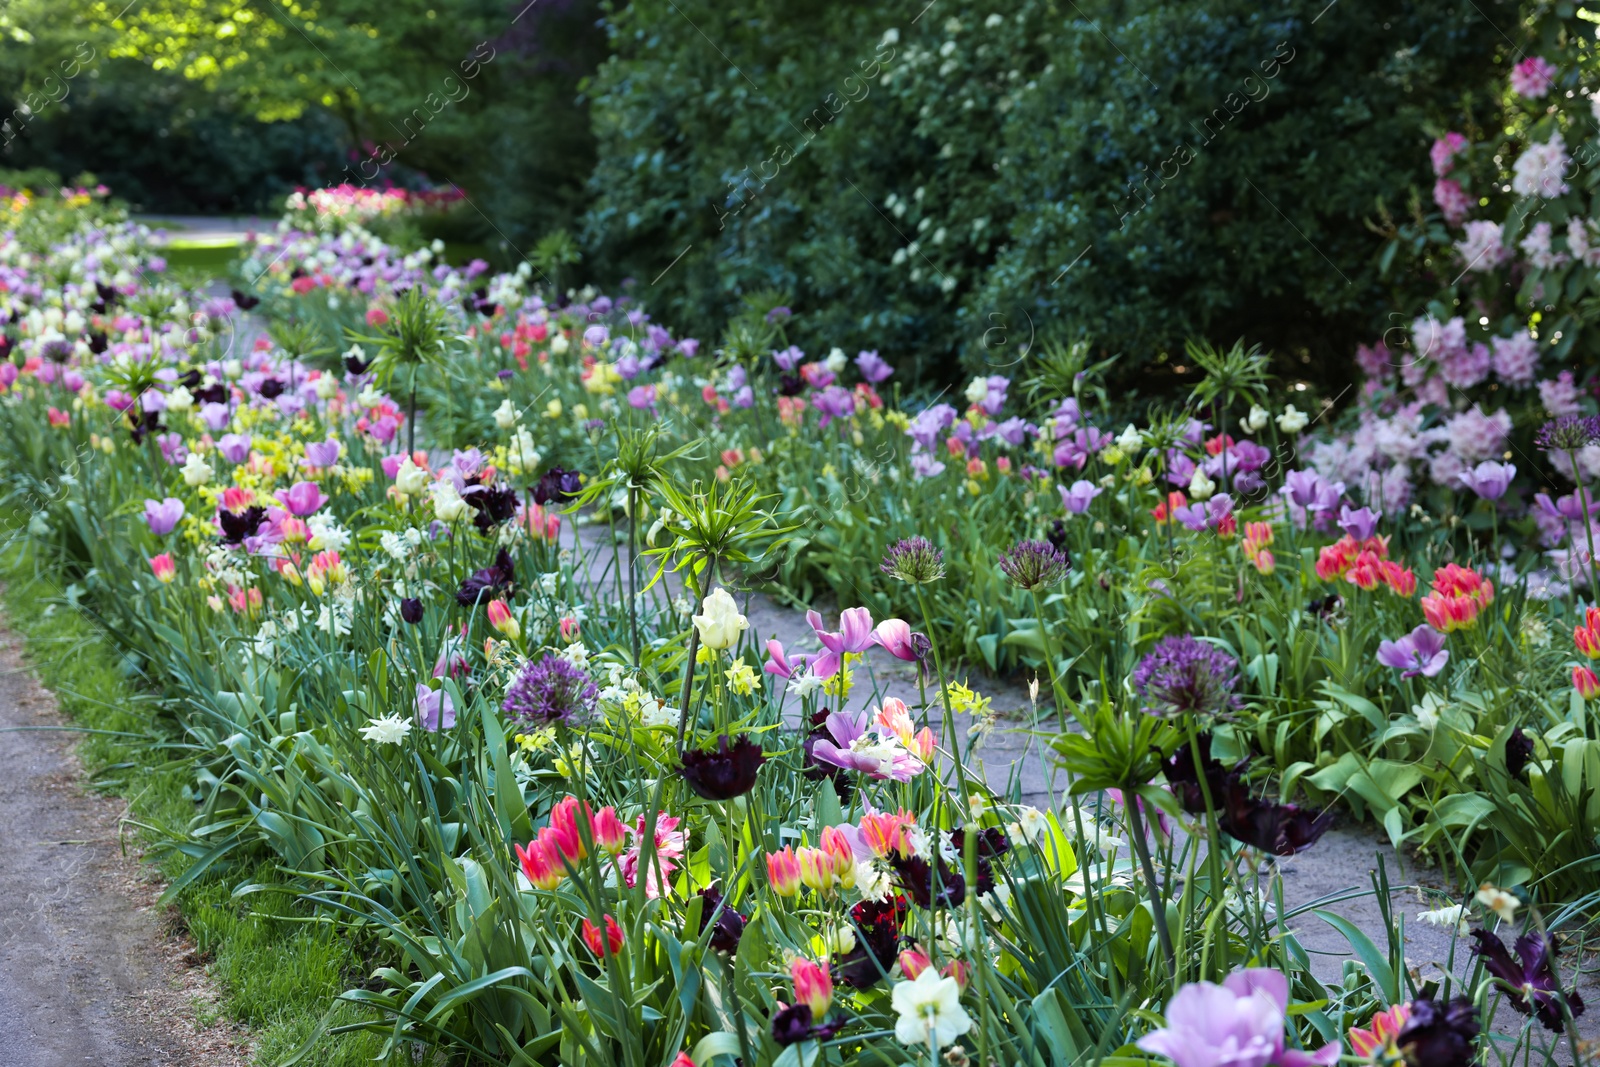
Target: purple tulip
[(930, 423), (1421, 652), (834, 402), (214, 415), (116, 399), (322, 453), (1079, 497), (788, 358), (1180, 468), (235, 447), (72, 381), (163, 515), (849, 745), (925, 466), (173, 450), (1303, 487), (896, 637), (872, 366), (994, 397), (854, 635), (1359, 524), (1210, 514), (1489, 480), (688, 346), (596, 336), (391, 464), (1238, 1024), (642, 397), (302, 498), (435, 709), (782, 665)]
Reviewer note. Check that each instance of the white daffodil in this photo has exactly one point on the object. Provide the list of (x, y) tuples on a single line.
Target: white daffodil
[(930, 1011), (388, 730), (1499, 901), (1455, 915)]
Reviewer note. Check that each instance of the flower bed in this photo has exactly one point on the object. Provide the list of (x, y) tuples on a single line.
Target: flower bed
[(571, 813)]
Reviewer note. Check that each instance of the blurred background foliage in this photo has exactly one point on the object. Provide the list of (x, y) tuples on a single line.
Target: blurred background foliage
[(948, 182)]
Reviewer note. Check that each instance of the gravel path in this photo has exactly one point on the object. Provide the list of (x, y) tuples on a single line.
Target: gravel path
[(89, 977)]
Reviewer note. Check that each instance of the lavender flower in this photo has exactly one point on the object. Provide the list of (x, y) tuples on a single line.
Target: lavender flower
[(873, 367), (1421, 652), (1184, 675), (1568, 433), (552, 690), (1529, 981), (1359, 523), (1078, 498), (1034, 564), (914, 560), (1488, 479)]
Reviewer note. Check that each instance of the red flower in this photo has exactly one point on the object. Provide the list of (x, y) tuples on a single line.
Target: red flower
[(613, 941)]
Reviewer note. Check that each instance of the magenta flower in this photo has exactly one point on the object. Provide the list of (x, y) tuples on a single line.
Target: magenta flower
[(1489, 480), (780, 664), (1533, 77), (163, 515), (1078, 498), (302, 498), (896, 638), (851, 745), (1236, 1024), (1444, 151), (1421, 652), (854, 635), (435, 710)]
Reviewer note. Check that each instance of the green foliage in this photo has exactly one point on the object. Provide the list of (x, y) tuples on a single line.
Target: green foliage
[(948, 172)]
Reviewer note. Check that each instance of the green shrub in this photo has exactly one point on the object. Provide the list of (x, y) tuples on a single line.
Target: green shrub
[(1006, 147)]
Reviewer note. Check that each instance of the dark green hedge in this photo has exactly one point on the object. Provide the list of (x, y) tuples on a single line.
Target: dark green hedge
[(1007, 142)]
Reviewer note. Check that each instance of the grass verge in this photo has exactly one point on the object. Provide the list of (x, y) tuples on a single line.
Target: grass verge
[(277, 972)]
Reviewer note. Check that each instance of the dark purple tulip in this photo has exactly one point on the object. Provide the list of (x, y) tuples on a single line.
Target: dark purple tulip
[(495, 504), (557, 486), (928, 885), (1519, 746), (236, 527), (411, 610), (725, 772), (1529, 982), (1440, 1035), (484, 585), (877, 926), (1281, 829), (792, 1024), (726, 925)]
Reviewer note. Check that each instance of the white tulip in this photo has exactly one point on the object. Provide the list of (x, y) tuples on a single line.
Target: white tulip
[(720, 624)]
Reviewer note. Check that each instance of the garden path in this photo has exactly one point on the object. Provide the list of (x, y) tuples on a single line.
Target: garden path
[(89, 975)]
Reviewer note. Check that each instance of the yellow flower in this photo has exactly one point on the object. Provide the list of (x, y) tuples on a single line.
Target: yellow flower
[(741, 678), (552, 410), (963, 699)]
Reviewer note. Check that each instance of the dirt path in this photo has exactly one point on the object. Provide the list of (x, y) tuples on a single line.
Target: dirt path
[(89, 976)]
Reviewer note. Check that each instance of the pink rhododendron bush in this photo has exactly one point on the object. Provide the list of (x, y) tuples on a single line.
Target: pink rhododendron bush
[(443, 578)]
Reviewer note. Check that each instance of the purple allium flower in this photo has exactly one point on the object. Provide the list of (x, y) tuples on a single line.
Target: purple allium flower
[(1186, 676), (1440, 1035), (1568, 433), (779, 313), (1421, 652), (1078, 498), (1034, 564), (551, 690), (873, 367), (1529, 982), (435, 710), (1239, 1022), (725, 772), (851, 745), (1359, 523), (1488, 479), (163, 515), (914, 560)]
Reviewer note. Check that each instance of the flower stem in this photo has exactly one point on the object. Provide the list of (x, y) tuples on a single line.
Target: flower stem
[(1158, 908), (1213, 839)]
